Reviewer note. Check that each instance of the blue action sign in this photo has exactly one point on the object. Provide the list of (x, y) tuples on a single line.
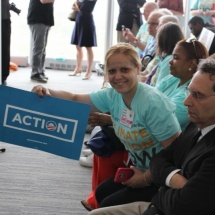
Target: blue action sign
[(49, 124)]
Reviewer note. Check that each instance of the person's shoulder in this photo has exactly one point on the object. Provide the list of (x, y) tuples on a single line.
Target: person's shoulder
[(168, 80), (168, 57), (109, 95), (144, 86), (149, 91), (110, 92), (143, 27)]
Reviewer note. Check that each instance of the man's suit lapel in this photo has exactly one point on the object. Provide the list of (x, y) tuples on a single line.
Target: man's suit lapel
[(201, 147)]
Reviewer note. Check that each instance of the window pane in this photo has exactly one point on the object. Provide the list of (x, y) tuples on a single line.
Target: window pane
[(60, 34)]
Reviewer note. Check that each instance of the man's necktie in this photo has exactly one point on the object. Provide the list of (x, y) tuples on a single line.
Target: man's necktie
[(196, 138)]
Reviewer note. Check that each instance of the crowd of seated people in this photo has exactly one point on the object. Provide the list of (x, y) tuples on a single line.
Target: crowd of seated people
[(183, 65), (150, 65), (184, 170), (175, 66)]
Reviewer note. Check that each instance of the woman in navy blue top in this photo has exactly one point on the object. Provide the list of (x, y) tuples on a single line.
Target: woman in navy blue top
[(84, 35)]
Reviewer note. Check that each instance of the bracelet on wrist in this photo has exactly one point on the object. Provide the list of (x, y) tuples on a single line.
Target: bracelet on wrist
[(144, 178), (135, 41)]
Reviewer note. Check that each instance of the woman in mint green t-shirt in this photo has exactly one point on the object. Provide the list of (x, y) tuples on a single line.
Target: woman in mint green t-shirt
[(138, 120), (186, 56)]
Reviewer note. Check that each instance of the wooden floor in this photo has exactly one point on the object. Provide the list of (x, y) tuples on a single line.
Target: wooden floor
[(33, 182)]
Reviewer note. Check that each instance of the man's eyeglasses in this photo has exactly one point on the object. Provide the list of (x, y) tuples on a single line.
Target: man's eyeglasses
[(153, 23), (195, 94), (193, 42)]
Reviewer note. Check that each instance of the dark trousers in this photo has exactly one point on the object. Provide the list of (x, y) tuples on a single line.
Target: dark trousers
[(5, 35), (110, 193), (39, 35)]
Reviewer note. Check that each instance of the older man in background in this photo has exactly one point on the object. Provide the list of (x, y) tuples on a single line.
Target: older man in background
[(143, 36)]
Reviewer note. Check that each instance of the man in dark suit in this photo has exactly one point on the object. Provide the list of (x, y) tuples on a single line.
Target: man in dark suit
[(129, 16), (185, 171)]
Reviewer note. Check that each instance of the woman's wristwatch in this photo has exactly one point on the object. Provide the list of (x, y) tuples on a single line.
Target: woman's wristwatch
[(135, 42)]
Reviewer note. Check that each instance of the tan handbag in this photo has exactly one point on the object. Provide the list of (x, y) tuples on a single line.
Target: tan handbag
[(73, 13), (46, 1)]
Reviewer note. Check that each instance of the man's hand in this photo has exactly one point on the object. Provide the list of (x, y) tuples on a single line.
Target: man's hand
[(177, 181), (129, 35)]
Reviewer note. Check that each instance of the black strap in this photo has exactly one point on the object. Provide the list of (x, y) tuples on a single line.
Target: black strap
[(109, 131)]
